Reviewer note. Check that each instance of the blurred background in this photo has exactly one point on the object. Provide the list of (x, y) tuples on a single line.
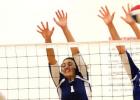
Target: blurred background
[(19, 19)]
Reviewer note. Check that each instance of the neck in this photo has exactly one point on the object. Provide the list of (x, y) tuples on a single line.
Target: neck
[(70, 78)]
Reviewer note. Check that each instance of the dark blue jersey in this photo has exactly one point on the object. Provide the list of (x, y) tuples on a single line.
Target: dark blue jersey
[(135, 72), (78, 89)]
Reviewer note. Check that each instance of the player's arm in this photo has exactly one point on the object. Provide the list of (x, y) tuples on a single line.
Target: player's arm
[(108, 19), (130, 21), (62, 23), (47, 34)]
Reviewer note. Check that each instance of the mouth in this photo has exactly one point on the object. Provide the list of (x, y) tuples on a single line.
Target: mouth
[(67, 70)]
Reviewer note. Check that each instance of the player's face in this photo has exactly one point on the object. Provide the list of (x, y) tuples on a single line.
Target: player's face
[(138, 18), (68, 68)]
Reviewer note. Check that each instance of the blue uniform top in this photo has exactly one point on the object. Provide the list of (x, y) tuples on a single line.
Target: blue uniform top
[(135, 72), (79, 88), (74, 90)]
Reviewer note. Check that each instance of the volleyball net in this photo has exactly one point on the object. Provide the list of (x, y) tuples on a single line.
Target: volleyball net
[(24, 72)]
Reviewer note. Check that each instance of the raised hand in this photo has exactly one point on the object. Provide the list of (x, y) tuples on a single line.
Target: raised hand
[(105, 15), (45, 32), (128, 18), (62, 18)]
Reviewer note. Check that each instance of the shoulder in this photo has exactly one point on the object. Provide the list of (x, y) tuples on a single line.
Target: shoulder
[(82, 79)]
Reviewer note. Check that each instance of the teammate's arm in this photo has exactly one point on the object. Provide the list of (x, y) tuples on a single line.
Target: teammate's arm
[(108, 19), (130, 21)]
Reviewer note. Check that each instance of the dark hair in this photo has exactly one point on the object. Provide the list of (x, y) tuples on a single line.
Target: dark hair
[(134, 17), (77, 72)]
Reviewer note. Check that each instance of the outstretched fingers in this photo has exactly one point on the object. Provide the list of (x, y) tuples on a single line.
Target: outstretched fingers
[(124, 10), (128, 8), (128, 11), (42, 28), (52, 31), (59, 14), (104, 12)]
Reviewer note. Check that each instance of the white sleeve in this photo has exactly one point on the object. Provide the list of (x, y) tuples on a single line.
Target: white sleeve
[(55, 73), (125, 63), (81, 65)]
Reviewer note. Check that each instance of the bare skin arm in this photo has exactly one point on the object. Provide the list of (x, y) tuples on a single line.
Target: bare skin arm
[(62, 23), (130, 21), (46, 33), (108, 19)]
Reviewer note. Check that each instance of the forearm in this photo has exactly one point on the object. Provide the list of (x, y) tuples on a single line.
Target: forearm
[(115, 36), (51, 56), (136, 30), (50, 53), (113, 32), (68, 34), (70, 38)]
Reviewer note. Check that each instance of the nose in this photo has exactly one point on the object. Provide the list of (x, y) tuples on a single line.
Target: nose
[(67, 66)]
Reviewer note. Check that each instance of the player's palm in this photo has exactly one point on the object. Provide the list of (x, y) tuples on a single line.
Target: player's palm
[(108, 19), (105, 15), (128, 19), (45, 32), (62, 22), (62, 18)]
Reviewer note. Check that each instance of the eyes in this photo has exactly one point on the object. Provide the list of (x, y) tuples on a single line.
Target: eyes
[(67, 64)]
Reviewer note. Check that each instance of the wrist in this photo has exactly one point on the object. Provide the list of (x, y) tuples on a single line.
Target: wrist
[(64, 27), (48, 41), (110, 24), (132, 24)]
